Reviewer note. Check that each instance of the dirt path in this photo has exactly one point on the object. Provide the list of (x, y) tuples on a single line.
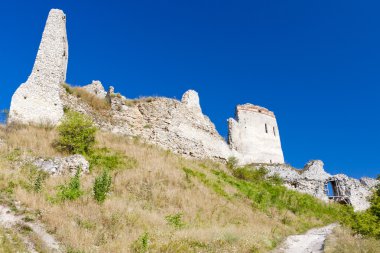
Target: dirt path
[(9, 220), (311, 242)]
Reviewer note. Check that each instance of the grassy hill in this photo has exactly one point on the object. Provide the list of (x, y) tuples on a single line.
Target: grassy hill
[(158, 201)]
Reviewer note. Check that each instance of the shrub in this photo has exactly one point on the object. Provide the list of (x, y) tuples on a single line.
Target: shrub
[(368, 222), (175, 220), (102, 186), (72, 190), (37, 185), (34, 177), (76, 134)]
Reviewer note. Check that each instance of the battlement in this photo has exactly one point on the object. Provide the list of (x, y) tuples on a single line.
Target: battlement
[(254, 108)]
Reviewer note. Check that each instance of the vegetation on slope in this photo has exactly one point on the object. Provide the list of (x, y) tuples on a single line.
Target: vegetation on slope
[(344, 240), (140, 198), (10, 242), (99, 104)]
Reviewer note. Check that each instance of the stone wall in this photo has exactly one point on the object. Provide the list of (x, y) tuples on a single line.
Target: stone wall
[(38, 99), (179, 126), (312, 180), (254, 134)]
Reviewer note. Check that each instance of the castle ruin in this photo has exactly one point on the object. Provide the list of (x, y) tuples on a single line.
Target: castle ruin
[(176, 125), (38, 99), (254, 133), (179, 126)]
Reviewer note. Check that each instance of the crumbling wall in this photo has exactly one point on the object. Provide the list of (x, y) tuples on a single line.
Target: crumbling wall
[(38, 99), (96, 88), (255, 136), (179, 126), (312, 180)]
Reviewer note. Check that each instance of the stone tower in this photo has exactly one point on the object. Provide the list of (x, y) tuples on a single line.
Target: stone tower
[(38, 99), (254, 135)]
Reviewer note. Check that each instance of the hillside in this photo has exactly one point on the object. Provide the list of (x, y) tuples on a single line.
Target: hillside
[(159, 201)]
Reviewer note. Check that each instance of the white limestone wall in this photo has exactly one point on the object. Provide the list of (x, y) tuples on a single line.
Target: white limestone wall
[(38, 99), (254, 135)]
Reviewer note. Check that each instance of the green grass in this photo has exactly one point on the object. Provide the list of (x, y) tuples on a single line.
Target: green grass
[(106, 159), (216, 186), (264, 194)]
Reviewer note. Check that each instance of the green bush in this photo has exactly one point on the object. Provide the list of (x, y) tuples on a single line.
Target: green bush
[(72, 190), (34, 178), (368, 222), (76, 134), (102, 186)]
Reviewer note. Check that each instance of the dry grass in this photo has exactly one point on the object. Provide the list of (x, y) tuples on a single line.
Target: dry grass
[(10, 241), (30, 140), (133, 217), (344, 241), (95, 102)]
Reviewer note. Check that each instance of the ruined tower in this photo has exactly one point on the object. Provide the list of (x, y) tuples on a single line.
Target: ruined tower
[(254, 135), (38, 99)]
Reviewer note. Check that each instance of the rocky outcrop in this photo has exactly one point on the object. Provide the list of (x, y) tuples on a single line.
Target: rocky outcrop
[(369, 182), (178, 126), (63, 165), (96, 88), (38, 99), (191, 100), (313, 180)]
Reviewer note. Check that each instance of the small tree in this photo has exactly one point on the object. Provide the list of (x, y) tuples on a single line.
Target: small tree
[(102, 186), (76, 133), (72, 190)]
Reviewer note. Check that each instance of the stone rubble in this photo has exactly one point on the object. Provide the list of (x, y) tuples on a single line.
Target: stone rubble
[(63, 165)]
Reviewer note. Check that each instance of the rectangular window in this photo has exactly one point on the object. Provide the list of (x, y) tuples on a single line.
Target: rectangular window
[(266, 128), (274, 131)]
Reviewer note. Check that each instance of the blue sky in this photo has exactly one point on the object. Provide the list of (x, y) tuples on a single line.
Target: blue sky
[(314, 63)]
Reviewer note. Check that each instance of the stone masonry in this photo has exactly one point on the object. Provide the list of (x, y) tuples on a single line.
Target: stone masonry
[(255, 136), (38, 99)]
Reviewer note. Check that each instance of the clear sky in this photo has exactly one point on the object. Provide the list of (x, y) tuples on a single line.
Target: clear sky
[(314, 63)]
